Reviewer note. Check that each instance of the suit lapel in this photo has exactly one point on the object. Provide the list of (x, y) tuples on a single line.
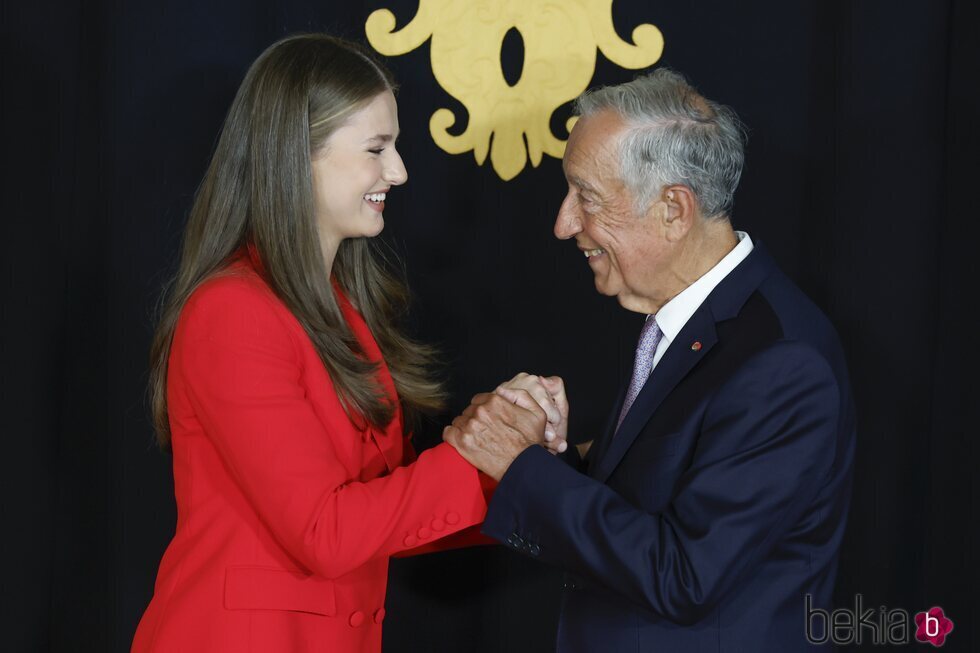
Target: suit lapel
[(724, 303), (601, 443), (677, 362)]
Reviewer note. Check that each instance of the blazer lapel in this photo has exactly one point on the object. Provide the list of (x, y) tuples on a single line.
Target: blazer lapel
[(724, 302), (601, 443), (390, 442), (680, 358)]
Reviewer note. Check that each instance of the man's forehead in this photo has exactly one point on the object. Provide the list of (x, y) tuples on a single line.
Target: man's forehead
[(593, 146)]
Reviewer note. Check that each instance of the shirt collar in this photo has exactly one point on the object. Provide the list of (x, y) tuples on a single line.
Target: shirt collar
[(673, 315)]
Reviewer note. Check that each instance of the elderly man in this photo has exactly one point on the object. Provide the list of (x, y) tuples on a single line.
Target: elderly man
[(711, 510)]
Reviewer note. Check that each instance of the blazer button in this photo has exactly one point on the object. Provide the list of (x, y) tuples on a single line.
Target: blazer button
[(424, 533), (535, 549), (437, 524), (452, 518), (379, 615), (410, 540), (356, 618)]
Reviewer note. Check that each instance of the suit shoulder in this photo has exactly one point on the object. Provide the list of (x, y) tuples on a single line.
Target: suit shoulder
[(801, 320), (788, 358), (778, 319), (799, 316), (233, 303)]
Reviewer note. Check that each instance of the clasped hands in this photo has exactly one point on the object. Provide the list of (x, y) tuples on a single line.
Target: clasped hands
[(497, 426)]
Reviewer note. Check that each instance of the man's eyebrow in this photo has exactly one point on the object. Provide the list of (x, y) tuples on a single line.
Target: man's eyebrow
[(580, 183)]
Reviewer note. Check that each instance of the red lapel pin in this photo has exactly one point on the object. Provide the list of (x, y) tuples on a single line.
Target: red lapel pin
[(696, 346)]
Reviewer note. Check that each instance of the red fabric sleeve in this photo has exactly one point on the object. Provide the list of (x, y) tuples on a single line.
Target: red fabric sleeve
[(467, 537)]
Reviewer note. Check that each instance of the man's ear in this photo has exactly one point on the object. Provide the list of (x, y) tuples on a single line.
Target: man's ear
[(679, 211)]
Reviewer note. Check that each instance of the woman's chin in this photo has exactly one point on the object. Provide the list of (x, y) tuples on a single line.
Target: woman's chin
[(374, 226), (379, 227)]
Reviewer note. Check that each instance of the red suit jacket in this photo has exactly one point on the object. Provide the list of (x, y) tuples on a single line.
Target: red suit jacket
[(287, 512)]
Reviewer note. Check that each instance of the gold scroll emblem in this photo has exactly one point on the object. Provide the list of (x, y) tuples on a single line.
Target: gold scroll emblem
[(560, 41)]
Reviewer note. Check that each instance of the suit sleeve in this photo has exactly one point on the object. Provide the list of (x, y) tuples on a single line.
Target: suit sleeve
[(461, 539), (766, 445), (239, 365)]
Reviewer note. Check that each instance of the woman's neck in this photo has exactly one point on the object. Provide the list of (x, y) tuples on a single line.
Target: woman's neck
[(329, 248)]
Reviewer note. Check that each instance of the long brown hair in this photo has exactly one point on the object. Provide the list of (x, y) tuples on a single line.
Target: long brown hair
[(258, 189)]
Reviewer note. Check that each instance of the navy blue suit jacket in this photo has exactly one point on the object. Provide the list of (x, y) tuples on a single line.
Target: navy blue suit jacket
[(720, 503)]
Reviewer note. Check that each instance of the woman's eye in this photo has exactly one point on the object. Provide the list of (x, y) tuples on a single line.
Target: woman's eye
[(377, 151)]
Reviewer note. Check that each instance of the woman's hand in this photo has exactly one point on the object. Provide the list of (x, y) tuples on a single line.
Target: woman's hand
[(548, 393)]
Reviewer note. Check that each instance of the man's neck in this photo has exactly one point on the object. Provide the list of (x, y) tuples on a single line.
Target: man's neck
[(703, 248)]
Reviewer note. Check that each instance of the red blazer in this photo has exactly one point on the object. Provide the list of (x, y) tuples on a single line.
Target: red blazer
[(287, 512)]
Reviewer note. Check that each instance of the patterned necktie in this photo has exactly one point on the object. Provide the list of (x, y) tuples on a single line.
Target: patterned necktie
[(649, 339)]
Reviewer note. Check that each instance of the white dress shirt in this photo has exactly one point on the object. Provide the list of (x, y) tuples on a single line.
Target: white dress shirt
[(673, 315)]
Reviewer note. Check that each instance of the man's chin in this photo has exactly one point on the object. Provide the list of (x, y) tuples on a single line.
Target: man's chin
[(602, 286)]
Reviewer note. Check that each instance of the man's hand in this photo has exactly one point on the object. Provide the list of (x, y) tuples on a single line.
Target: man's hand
[(549, 393), (493, 431)]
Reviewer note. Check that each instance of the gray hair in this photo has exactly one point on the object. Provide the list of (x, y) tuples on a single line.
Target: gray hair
[(674, 136)]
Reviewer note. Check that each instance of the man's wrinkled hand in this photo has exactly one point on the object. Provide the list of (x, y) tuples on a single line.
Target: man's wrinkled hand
[(493, 430), (549, 393)]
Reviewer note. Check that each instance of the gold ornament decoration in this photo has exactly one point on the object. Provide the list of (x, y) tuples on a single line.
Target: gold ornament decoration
[(560, 37)]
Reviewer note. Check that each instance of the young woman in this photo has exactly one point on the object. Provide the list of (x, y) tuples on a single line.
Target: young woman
[(281, 382)]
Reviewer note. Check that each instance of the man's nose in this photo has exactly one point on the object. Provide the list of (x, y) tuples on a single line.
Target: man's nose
[(568, 223)]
